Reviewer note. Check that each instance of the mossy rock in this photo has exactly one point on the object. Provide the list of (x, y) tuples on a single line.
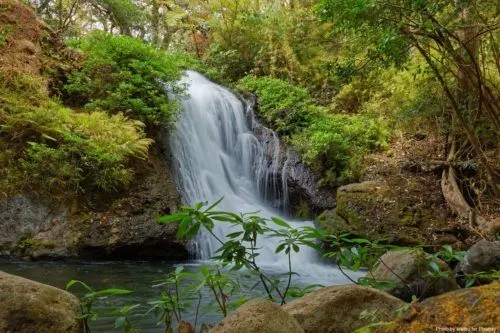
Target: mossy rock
[(258, 316), (475, 308), (373, 210)]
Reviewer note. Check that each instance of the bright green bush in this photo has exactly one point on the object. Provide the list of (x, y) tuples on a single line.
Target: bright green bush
[(287, 108), (335, 144), (51, 148), (123, 74)]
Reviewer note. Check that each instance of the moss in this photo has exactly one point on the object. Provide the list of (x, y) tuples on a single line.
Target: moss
[(28, 244), (473, 307), (373, 210), (332, 222)]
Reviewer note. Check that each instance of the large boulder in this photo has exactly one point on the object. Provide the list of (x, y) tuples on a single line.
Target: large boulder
[(27, 306), (258, 316), (342, 309), (408, 269), (483, 256), (466, 310), (374, 210), (103, 227)]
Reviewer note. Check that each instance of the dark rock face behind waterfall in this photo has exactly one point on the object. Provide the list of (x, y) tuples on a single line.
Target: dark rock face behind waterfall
[(102, 228), (300, 183)]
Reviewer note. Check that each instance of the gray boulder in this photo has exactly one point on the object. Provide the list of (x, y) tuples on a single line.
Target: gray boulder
[(408, 270), (484, 256)]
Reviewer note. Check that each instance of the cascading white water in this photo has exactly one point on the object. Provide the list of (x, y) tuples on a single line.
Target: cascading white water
[(217, 155)]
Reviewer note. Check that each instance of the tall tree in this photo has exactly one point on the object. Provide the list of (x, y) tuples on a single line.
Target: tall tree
[(448, 35)]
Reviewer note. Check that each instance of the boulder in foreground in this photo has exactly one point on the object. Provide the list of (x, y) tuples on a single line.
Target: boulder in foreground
[(27, 306), (476, 309), (258, 316), (342, 309)]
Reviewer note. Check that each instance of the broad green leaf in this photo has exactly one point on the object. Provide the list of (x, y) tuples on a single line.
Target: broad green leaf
[(280, 222)]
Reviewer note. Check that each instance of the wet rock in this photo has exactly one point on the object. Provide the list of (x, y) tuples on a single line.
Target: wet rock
[(21, 217), (470, 310), (408, 271), (342, 309), (27, 306), (258, 316), (302, 185)]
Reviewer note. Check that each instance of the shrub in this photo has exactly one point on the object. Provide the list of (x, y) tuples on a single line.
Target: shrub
[(285, 107), (334, 144), (226, 65), (123, 74), (51, 148)]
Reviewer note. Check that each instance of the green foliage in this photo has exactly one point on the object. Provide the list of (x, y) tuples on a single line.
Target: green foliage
[(174, 299), (123, 321), (62, 152), (91, 296), (287, 108), (226, 64), (5, 31), (220, 285), (241, 248), (480, 278), (123, 74), (335, 144)]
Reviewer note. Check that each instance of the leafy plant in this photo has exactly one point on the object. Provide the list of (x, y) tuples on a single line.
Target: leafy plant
[(61, 152), (287, 108), (91, 296), (174, 299), (123, 320), (481, 277), (219, 284), (333, 144), (241, 248), (123, 74)]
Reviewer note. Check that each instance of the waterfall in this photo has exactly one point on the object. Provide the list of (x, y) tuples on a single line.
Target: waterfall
[(216, 154)]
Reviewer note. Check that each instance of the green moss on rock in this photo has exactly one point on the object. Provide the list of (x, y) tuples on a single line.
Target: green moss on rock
[(373, 210), (467, 308)]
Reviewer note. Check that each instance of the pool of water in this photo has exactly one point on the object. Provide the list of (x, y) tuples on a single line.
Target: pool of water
[(139, 276)]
